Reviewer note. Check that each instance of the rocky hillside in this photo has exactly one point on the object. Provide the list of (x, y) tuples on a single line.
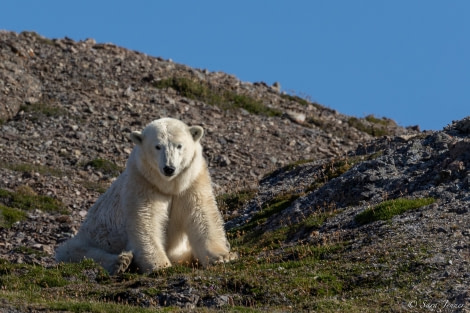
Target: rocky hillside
[(338, 212), (86, 97)]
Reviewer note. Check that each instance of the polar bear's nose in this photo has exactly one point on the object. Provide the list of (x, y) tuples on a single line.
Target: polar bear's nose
[(168, 170)]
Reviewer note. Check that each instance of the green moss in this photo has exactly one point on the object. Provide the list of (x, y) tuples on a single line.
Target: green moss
[(105, 166), (225, 99), (25, 199), (388, 209)]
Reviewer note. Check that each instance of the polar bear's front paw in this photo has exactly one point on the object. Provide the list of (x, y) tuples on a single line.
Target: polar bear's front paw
[(231, 256), (123, 262)]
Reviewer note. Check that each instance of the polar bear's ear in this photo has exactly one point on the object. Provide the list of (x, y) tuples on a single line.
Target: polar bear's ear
[(137, 138), (196, 132)]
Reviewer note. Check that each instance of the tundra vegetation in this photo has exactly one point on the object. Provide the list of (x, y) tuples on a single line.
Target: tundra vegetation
[(272, 272)]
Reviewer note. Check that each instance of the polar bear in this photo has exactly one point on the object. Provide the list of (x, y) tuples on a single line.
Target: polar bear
[(160, 211)]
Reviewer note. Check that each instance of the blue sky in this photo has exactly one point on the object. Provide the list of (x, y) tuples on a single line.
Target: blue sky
[(408, 60)]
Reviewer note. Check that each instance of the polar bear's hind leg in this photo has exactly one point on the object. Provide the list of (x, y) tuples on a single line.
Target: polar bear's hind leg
[(75, 251)]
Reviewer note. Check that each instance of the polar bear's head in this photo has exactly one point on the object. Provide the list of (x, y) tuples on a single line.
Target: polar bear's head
[(169, 145)]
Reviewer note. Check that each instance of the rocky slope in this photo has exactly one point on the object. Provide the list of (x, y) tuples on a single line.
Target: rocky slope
[(65, 104), (93, 95), (284, 168), (434, 165)]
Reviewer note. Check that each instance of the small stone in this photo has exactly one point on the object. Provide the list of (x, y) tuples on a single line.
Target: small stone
[(128, 92), (463, 125), (296, 117), (223, 160), (80, 135), (276, 87), (64, 219)]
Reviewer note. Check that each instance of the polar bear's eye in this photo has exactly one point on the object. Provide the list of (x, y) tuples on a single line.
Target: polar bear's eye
[(179, 146), (158, 147)]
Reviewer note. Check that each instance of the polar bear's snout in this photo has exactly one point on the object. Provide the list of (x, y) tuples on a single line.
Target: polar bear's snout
[(169, 170)]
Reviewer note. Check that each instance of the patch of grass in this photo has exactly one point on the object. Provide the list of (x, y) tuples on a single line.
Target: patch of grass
[(24, 277), (287, 168), (383, 121), (10, 216), (250, 104), (99, 187), (225, 99), (295, 98), (269, 209), (313, 222), (332, 170), (275, 205), (317, 122), (229, 202), (39, 109), (338, 167), (38, 37), (30, 168), (251, 235), (375, 128), (27, 200), (388, 209), (295, 164), (303, 100), (105, 166), (29, 251), (95, 307)]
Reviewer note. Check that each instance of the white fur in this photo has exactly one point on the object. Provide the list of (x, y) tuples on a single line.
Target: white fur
[(152, 219)]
